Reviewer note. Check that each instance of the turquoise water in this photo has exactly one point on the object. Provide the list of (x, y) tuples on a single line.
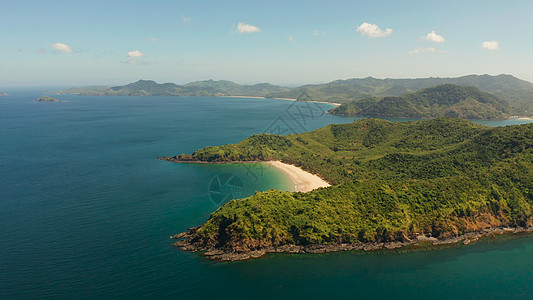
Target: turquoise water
[(86, 209)]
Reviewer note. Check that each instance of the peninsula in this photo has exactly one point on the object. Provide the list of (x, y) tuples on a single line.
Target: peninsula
[(393, 184)]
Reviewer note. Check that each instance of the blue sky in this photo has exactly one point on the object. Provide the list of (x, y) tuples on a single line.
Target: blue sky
[(74, 43)]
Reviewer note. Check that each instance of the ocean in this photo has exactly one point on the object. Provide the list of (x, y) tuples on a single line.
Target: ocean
[(86, 209)]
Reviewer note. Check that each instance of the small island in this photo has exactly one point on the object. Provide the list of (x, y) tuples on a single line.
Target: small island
[(47, 99), (3, 94), (393, 184)]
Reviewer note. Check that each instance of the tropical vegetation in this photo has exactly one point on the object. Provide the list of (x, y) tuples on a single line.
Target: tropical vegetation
[(392, 181), (448, 100)]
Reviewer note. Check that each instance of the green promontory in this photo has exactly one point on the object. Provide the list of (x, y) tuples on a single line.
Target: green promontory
[(392, 182), (447, 100)]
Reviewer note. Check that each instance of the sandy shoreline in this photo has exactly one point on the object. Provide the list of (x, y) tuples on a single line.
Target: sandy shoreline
[(522, 118), (303, 181), (290, 99)]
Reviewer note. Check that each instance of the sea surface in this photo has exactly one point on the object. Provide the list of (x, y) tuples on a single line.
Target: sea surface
[(86, 209)]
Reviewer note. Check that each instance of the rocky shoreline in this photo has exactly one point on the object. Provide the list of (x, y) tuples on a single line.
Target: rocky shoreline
[(185, 242)]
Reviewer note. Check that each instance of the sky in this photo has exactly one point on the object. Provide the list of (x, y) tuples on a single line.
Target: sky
[(80, 43)]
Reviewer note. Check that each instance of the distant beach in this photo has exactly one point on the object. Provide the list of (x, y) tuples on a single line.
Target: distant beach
[(290, 99), (303, 181)]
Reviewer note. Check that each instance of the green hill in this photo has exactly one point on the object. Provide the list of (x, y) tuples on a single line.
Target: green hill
[(233, 89), (391, 183), (446, 100)]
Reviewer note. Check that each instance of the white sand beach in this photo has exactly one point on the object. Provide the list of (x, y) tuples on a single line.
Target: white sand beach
[(290, 99), (252, 97), (303, 181)]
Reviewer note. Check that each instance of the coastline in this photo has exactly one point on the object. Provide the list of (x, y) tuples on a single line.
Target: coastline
[(186, 243), (303, 181), (521, 118), (290, 99)]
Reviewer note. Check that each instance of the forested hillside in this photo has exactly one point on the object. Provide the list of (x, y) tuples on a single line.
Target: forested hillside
[(446, 100), (392, 181)]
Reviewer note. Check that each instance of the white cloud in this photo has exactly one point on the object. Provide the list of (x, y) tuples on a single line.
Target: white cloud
[(491, 45), (185, 19), (434, 37), (41, 51), (246, 28), (136, 53), (373, 30), (152, 39), (62, 47), (291, 38)]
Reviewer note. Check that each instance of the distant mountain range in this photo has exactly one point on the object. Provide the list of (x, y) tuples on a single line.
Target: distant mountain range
[(197, 88), (356, 89), (517, 92), (447, 100)]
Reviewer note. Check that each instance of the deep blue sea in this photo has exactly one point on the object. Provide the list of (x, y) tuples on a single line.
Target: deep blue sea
[(86, 209)]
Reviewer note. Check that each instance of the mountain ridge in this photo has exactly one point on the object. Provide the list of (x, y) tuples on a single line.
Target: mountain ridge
[(447, 100)]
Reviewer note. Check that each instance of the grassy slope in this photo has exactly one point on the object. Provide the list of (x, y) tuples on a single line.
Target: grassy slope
[(393, 181)]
